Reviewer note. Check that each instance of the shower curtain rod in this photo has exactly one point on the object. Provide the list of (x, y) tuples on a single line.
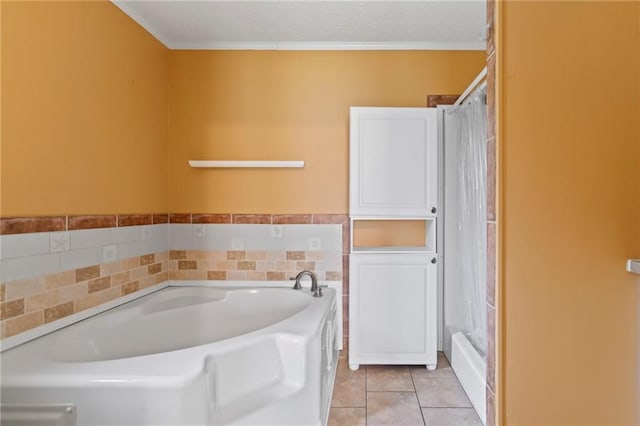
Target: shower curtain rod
[(475, 83)]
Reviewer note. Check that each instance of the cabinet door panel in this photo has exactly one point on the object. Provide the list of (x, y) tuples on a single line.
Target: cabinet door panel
[(392, 156), (392, 309), (393, 161)]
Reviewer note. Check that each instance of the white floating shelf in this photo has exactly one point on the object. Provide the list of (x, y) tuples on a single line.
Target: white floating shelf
[(246, 164), (633, 266)]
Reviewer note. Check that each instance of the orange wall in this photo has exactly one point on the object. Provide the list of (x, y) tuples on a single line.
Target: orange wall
[(376, 233), (84, 111), (570, 206), (269, 105)]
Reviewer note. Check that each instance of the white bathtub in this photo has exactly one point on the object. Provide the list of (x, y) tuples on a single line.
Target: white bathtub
[(184, 355)]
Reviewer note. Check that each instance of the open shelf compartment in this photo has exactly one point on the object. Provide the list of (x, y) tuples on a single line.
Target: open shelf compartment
[(393, 235)]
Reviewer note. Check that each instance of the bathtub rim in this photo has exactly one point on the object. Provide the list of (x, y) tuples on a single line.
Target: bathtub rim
[(34, 333)]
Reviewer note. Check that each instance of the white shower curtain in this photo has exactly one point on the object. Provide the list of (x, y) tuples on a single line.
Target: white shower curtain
[(470, 230)]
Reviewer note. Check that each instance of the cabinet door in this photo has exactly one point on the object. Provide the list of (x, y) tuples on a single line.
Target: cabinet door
[(393, 162), (392, 309)]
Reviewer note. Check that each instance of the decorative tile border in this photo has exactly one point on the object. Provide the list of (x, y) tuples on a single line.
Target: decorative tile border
[(263, 219), (26, 225), (91, 222), (32, 302), (287, 219), (135, 219), (240, 265), (23, 225), (207, 218), (160, 218), (180, 218), (259, 219)]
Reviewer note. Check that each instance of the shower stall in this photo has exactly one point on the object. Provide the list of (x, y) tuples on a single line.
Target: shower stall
[(464, 277)]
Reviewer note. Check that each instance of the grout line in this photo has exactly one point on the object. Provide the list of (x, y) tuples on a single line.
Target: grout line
[(416, 394), (366, 394), (415, 391), (424, 422)]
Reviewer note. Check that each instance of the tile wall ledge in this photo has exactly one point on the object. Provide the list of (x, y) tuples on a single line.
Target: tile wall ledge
[(53, 223)]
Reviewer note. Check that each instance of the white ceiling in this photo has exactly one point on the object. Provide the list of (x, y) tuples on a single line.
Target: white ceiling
[(312, 25)]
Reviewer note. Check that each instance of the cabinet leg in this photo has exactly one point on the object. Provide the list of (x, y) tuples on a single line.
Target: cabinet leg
[(431, 367), (354, 367)]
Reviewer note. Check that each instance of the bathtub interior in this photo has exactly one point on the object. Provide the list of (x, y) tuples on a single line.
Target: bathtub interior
[(181, 314)]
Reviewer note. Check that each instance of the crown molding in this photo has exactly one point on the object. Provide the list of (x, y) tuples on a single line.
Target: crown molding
[(321, 45)]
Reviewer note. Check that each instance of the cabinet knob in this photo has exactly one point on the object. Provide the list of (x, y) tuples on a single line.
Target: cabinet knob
[(434, 260), (433, 210)]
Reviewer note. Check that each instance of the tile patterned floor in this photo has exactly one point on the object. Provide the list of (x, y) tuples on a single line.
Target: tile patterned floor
[(400, 395)]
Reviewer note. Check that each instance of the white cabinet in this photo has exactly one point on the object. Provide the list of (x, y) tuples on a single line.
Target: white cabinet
[(392, 309), (393, 287), (393, 162)]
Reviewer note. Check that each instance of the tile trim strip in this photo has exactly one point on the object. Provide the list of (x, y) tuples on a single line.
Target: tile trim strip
[(134, 219), (31, 224), (25, 225), (91, 222)]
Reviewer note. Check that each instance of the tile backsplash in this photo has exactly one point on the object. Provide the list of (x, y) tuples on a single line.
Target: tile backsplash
[(54, 267), (255, 237), (39, 253), (30, 302), (254, 252), (253, 265)]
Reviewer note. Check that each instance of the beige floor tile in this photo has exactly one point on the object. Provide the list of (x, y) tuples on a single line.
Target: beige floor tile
[(345, 371), (389, 378), (393, 408), (391, 399), (443, 362), (451, 417), (442, 357), (423, 372), (348, 417), (440, 392), (443, 369), (349, 392)]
